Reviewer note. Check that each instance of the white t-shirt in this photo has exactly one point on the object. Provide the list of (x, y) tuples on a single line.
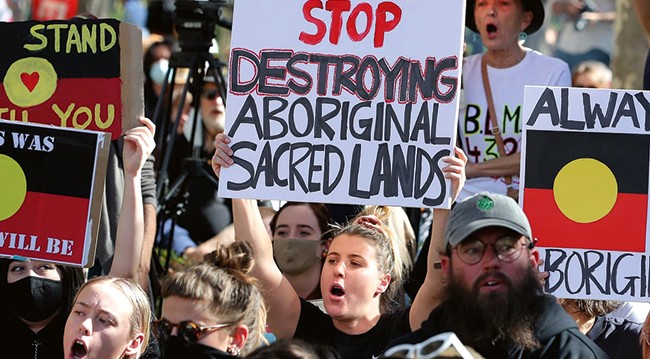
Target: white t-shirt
[(508, 95)]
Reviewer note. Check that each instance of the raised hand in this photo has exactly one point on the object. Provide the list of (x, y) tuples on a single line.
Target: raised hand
[(455, 171), (222, 154), (138, 144)]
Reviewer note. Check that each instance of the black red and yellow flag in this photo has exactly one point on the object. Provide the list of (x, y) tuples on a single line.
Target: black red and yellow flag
[(77, 73), (52, 181), (587, 190)]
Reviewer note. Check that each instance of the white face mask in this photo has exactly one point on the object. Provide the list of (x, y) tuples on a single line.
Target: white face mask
[(158, 71)]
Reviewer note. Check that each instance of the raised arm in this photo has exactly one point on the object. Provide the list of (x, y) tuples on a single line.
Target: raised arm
[(138, 145), (281, 298), (431, 292)]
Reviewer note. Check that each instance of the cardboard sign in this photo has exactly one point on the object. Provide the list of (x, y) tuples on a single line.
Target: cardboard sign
[(585, 169), (343, 101), (84, 74), (52, 180)]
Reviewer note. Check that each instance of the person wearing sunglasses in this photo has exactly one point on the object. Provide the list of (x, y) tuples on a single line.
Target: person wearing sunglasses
[(206, 214), (213, 309), (494, 297)]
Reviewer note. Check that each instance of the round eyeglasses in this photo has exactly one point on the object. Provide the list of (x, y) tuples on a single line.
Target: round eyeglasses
[(507, 248), (188, 331)]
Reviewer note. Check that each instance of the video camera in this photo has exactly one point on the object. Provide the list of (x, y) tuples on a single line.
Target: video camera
[(195, 22)]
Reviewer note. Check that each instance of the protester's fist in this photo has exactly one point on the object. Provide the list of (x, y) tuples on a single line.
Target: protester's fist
[(222, 153)]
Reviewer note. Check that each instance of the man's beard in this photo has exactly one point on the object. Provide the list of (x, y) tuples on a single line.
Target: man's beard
[(496, 318)]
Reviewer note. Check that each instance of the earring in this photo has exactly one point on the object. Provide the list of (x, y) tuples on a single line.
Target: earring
[(523, 37), (234, 350)]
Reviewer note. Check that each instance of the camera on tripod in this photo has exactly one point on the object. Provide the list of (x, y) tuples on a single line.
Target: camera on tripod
[(196, 20), (186, 185)]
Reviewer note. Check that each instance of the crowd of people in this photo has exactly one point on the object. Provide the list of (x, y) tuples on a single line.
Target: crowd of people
[(317, 281)]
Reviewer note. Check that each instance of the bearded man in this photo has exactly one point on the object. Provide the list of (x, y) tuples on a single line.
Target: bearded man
[(494, 299)]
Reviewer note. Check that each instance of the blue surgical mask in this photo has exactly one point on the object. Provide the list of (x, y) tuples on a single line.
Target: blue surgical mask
[(158, 70)]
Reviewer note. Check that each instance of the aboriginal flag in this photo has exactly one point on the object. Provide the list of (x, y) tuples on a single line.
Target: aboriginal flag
[(587, 190), (59, 169), (71, 73)]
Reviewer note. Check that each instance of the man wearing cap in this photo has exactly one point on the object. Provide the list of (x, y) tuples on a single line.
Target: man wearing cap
[(494, 299)]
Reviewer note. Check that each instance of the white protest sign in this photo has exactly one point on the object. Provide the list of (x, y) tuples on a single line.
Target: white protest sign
[(585, 168), (343, 101)]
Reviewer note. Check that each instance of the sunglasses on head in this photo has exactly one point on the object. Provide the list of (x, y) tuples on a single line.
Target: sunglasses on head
[(188, 331), (210, 94)]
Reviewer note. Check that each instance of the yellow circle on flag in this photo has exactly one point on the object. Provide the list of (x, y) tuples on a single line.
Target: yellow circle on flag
[(14, 187), (585, 190), (30, 81)]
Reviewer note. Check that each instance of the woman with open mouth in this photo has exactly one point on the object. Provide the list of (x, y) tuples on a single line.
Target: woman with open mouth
[(490, 120), (360, 280), (109, 320), (37, 296)]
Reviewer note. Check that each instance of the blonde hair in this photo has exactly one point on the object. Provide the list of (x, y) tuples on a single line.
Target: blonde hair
[(599, 73), (392, 255), (139, 302), (223, 286)]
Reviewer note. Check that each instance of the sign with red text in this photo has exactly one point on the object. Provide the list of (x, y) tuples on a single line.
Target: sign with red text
[(585, 169), (43, 10), (343, 101), (83, 74), (51, 185)]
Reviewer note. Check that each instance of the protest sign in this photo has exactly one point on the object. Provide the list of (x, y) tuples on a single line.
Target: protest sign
[(43, 10), (585, 168), (84, 74), (52, 181), (343, 101)]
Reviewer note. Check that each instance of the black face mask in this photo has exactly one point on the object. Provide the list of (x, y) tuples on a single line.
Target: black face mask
[(34, 298), (176, 348)]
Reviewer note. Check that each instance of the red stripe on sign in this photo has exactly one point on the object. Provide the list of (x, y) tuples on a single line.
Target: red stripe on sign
[(623, 229), (52, 228), (82, 103)]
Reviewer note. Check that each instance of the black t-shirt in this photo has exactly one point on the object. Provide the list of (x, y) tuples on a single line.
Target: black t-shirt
[(316, 327), (618, 337)]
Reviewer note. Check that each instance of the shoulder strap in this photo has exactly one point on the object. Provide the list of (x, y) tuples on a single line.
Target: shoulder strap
[(496, 130)]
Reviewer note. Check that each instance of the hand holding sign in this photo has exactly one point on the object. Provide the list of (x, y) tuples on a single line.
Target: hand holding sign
[(455, 171), (222, 154), (138, 144)]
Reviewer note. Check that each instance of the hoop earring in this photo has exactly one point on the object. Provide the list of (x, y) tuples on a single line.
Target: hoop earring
[(523, 37)]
